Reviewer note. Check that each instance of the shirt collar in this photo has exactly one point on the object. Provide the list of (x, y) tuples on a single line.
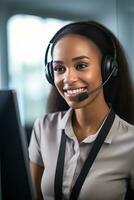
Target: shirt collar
[(67, 119), (113, 130)]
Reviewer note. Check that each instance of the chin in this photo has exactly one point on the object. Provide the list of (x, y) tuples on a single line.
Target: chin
[(76, 105)]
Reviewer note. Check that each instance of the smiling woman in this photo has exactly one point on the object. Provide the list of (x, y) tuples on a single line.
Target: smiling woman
[(88, 150), (78, 72)]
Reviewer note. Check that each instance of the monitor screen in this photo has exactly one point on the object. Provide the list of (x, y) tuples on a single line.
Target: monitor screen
[(16, 181)]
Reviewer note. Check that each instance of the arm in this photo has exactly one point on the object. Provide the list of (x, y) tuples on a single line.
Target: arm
[(37, 171)]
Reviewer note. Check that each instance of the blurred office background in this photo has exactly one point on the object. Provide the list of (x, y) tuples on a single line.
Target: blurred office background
[(26, 26)]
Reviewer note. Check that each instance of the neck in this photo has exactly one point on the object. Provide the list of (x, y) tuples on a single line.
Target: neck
[(87, 120)]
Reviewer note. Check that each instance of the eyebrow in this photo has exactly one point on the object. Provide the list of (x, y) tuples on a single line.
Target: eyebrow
[(73, 59), (80, 57)]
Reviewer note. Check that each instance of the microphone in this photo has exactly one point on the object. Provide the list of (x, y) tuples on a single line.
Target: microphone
[(85, 95)]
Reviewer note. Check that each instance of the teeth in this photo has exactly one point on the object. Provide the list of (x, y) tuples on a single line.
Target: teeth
[(75, 91)]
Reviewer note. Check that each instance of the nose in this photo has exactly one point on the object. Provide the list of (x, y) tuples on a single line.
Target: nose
[(70, 76)]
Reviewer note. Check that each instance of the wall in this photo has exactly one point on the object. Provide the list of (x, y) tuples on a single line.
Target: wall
[(125, 24)]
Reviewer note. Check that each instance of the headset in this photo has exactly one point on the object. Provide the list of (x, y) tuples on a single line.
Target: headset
[(109, 65)]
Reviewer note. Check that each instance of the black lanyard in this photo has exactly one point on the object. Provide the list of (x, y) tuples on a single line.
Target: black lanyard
[(87, 164)]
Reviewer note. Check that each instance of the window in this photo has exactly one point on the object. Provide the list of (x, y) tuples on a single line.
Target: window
[(28, 37)]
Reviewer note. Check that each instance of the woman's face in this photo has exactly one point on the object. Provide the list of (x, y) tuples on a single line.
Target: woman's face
[(77, 68)]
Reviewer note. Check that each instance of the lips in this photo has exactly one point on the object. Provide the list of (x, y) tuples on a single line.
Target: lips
[(74, 92)]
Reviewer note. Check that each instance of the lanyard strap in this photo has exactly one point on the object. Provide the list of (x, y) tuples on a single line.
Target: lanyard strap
[(87, 164), (60, 168)]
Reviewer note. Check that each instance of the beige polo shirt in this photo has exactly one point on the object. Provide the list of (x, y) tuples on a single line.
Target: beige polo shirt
[(108, 176)]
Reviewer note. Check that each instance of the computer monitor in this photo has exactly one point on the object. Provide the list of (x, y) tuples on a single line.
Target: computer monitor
[(16, 181)]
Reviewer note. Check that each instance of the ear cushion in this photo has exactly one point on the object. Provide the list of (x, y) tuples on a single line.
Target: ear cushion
[(109, 65), (49, 73)]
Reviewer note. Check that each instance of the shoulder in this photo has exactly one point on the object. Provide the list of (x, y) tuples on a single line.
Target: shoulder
[(123, 131), (53, 121), (47, 125), (49, 119), (124, 125)]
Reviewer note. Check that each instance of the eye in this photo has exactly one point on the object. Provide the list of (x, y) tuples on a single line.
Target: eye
[(80, 66), (60, 69)]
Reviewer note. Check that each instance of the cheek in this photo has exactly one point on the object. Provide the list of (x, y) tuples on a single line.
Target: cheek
[(57, 80), (92, 76), (58, 83), (96, 73)]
